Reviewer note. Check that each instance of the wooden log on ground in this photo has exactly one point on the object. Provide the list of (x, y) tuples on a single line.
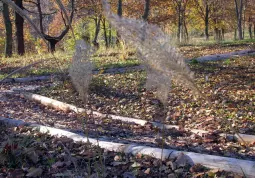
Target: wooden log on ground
[(68, 107), (27, 79), (224, 56), (223, 163)]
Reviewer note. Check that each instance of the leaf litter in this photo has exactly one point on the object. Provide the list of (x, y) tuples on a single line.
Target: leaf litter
[(61, 157), (113, 130), (229, 83)]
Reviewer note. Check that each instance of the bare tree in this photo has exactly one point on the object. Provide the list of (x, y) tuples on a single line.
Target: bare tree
[(53, 40)]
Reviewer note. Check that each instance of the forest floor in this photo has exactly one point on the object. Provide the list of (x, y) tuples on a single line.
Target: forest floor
[(230, 84)]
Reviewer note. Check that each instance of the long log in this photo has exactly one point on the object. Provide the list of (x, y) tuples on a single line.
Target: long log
[(27, 79), (68, 107), (216, 162), (216, 57)]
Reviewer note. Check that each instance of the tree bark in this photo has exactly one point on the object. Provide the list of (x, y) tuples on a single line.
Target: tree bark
[(223, 34), (120, 15), (97, 23), (244, 19), (250, 31), (185, 33), (235, 34), (254, 29), (146, 10), (207, 21), (239, 14), (53, 43), (179, 22), (19, 23), (105, 33), (250, 28), (216, 34), (8, 31), (110, 34), (120, 8)]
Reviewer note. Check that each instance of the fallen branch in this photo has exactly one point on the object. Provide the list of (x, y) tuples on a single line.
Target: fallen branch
[(68, 107), (216, 162)]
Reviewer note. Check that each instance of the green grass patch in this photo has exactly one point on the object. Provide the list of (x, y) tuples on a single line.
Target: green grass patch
[(223, 43), (103, 60)]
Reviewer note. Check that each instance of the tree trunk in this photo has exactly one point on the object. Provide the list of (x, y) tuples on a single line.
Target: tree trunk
[(223, 34), (235, 34), (179, 23), (97, 23), (53, 43), (207, 22), (244, 19), (120, 15), (110, 34), (8, 31), (216, 34), (146, 10), (105, 33), (19, 23), (120, 8), (186, 34), (250, 31), (250, 28), (239, 16), (254, 29)]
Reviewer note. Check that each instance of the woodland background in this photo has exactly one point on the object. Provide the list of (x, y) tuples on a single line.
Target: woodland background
[(186, 21)]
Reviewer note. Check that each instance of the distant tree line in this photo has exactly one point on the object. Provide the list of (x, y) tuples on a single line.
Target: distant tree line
[(181, 17)]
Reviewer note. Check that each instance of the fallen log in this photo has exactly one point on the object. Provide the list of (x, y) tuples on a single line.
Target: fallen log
[(68, 107), (27, 79), (216, 57), (215, 162)]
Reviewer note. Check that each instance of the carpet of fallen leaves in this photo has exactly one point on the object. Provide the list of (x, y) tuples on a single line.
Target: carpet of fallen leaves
[(117, 131), (24, 152), (229, 85)]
